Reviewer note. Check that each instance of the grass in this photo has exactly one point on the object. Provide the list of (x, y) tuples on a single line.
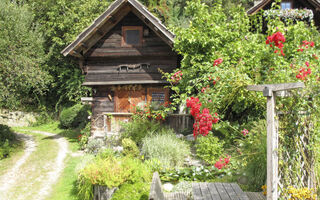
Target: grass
[(15, 155), (65, 189), (53, 127)]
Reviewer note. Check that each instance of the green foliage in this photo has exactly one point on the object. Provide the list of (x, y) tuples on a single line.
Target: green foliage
[(201, 173), (112, 172), (130, 148), (166, 148), (138, 128), (75, 116), (94, 145), (135, 191), (23, 76), (7, 140), (209, 148), (84, 136), (254, 150)]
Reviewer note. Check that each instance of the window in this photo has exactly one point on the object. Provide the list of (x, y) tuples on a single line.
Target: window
[(286, 5), (132, 35), (158, 95)]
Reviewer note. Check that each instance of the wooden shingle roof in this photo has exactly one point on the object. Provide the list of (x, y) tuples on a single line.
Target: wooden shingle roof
[(105, 22)]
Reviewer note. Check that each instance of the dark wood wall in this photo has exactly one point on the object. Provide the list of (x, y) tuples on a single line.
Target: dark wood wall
[(103, 62)]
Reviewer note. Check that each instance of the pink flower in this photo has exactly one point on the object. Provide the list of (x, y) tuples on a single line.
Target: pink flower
[(308, 64), (245, 132)]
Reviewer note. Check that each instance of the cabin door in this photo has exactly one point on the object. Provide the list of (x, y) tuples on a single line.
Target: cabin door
[(128, 99)]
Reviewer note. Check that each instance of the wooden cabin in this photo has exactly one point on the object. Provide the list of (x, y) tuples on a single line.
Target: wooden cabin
[(120, 54), (313, 5)]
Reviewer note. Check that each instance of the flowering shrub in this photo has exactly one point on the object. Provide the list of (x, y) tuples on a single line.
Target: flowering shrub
[(277, 39), (154, 111), (292, 14), (222, 162), (301, 194), (176, 77), (203, 120)]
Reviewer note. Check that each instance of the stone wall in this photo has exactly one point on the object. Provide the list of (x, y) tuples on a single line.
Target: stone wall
[(17, 118)]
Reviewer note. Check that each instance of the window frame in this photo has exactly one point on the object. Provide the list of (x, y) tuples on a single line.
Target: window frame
[(287, 1), (128, 28)]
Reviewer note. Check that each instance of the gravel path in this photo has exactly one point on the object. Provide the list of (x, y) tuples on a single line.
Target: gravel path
[(53, 176), (8, 179), (47, 180)]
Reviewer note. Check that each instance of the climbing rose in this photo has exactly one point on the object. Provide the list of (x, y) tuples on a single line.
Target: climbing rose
[(277, 39), (217, 62), (176, 77), (203, 120)]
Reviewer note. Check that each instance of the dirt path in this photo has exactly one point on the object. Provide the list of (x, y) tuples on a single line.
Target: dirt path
[(8, 179), (47, 180)]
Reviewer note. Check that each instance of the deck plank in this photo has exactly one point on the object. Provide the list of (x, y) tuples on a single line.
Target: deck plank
[(223, 193), (256, 196), (213, 191), (197, 195), (239, 192), (232, 194), (205, 191)]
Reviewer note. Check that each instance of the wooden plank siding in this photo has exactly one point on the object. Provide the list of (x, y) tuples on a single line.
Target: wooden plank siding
[(103, 62)]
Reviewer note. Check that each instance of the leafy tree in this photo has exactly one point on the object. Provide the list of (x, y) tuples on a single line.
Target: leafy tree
[(23, 76), (61, 21)]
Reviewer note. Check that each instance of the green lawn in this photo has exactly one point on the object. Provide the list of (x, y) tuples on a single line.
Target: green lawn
[(65, 189)]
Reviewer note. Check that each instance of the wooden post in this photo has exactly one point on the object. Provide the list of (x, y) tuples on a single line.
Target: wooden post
[(272, 146), (269, 91)]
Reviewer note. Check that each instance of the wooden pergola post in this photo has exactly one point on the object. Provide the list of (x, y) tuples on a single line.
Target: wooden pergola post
[(270, 91)]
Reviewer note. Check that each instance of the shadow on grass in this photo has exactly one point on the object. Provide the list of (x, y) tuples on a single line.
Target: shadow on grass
[(74, 191), (70, 135)]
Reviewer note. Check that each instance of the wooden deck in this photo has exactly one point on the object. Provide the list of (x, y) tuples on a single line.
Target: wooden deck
[(218, 191), (256, 196)]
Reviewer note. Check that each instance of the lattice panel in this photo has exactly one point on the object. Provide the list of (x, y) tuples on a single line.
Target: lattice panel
[(295, 160)]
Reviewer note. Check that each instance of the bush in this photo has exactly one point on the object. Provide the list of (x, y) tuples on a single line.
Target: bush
[(112, 172), (7, 139), (254, 149), (83, 138), (139, 128), (75, 116), (136, 191), (94, 145), (130, 148), (166, 148), (209, 148)]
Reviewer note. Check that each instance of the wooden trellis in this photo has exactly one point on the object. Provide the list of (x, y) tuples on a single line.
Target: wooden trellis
[(271, 91)]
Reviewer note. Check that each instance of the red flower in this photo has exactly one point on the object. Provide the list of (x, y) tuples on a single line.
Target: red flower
[(217, 62), (277, 39), (221, 163)]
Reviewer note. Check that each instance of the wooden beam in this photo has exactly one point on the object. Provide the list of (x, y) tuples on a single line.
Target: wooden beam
[(272, 149), (76, 54), (123, 82), (275, 87)]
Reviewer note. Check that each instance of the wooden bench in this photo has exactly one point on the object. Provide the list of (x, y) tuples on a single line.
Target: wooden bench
[(156, 192), (218, 191)]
